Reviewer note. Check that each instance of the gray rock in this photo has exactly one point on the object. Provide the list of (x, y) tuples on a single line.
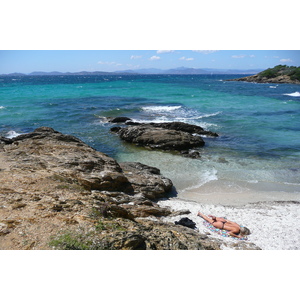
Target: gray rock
[(146, 180), (159, 138)]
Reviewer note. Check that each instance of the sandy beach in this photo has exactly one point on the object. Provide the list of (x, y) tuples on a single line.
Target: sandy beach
[(271, 216)]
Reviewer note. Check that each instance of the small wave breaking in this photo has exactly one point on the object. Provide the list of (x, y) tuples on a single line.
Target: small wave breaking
[(161, 108), (11, 134), (296, 94), (207, 176)]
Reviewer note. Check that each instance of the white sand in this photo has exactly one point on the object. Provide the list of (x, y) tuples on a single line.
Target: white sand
[(273, 225)]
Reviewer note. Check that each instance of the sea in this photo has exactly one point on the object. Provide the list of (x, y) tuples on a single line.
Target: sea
[(250, 173)]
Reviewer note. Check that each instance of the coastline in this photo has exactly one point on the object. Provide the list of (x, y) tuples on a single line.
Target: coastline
[(259, 79), (59, 193), (267, 208)]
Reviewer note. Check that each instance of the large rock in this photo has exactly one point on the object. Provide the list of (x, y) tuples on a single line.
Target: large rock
[(147, 180), (67, 156), (159, 138), (184, 127)]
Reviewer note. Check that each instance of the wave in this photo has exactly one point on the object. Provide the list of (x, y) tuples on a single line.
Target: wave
[(161, 108), (11, 134), (208, 115), (207, 176), (2, 107), (296, 94)]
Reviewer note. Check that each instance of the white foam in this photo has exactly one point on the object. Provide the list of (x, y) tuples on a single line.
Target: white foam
[(207, 115), (273, 225), (206, 176), (161, 108), (296, 94), (2, 107), (11, 134)]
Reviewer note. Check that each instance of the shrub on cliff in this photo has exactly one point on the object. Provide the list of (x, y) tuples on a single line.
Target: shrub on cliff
[(291, 71)]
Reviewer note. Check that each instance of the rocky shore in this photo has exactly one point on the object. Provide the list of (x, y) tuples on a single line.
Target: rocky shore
[(278, 74), (259, 79), (56, 192)]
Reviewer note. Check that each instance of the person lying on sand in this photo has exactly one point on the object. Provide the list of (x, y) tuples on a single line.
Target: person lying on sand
[(233, 228)]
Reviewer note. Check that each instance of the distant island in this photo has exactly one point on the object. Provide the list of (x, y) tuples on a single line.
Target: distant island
[(278, 74), (154, 71)]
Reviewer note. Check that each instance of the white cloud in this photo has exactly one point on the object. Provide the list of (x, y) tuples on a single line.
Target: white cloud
[(154, 57), (133, 66), (186, 58), (135, 56), (286, 60), (205, 51), (239, 56), (109, 63), (164, 51)]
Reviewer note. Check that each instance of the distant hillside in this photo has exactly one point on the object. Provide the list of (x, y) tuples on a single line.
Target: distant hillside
[(176, 71), (278, 74)]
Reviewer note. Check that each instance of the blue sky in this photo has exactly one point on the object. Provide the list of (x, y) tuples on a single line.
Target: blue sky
[(26, 61)]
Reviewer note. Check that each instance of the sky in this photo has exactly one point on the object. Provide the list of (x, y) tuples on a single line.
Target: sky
[(27, 61)]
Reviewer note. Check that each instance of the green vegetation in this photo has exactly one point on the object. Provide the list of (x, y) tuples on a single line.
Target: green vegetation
[(94, 239), (71, 241), (292, 72)]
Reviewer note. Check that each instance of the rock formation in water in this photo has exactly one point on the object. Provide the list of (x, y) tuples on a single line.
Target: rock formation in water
[(173, 136)]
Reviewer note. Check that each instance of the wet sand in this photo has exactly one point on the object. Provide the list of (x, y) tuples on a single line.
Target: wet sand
[(239, 193)]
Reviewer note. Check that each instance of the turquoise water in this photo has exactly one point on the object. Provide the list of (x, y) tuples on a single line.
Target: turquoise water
[(258, 124)]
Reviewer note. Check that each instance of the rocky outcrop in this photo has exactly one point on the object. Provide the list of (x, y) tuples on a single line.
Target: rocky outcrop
[(56, 192), (278, 74), (68, 157), (175, 136), (259, 79)]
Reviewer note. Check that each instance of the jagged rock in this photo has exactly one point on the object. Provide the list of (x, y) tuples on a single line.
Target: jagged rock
[(69, 157), (147, 180), (143, 211)]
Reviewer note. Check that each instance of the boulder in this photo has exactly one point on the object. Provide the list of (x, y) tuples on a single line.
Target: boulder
[(159, 138), (177, 136), (147, 180)]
